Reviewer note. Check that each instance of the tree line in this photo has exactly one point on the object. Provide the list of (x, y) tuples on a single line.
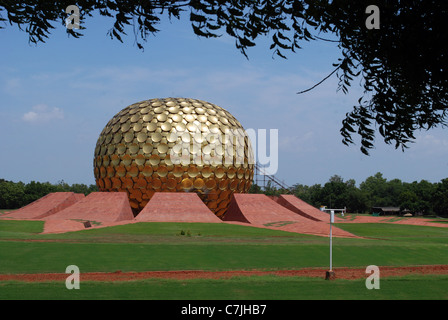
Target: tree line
[(14, 195), (421, 198)]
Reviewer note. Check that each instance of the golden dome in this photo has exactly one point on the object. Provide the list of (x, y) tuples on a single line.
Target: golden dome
[(172, 145)]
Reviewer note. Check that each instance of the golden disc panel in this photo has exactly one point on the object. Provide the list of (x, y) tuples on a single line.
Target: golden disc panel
[(154, 160), (116, 183), (151, 127), (219, 173), (193, 171), (173, 110), (156, 183), (210, 183), (147, 148), (133, 172), (180, 126), (198, 183), (156, 137), (126, 159), (162, 148), (145, 111), (172, 137), (129, 136), (147, 171), (162, 117), (186, 183), (171, 183), (141, 137), (140, 160), (177, 117), (117, 137), (121, 149), (115, 160), (121, 171), (162, 171), (178, 171), (174, 144), (166, 126), (140, 183), (133, 148)]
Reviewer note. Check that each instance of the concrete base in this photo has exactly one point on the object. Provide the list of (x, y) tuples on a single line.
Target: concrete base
[(330, 275)]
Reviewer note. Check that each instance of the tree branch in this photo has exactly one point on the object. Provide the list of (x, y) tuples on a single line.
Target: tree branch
[(309, 89)]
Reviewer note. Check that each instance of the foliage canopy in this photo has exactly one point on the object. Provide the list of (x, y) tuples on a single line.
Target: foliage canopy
[(402, 66)]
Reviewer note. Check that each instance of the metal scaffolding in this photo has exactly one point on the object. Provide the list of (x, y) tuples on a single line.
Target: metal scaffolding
[(261, 176)]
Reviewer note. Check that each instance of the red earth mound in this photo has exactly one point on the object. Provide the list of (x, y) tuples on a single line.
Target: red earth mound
[(46, 206), (176, 207), (259, 210), (299, 206), (65, 212), (99, 207)]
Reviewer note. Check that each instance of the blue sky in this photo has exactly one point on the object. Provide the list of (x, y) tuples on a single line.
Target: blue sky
[(56, 97)]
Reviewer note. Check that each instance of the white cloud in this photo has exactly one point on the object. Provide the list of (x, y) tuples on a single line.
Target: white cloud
[(426, 145), (296, 144), (432, 141), (12, 85), (42, 113)]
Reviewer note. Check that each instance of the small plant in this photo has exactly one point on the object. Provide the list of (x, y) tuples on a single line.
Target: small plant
[(186, 233)]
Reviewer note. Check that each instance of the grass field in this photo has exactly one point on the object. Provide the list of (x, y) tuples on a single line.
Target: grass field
[(196, 246), (246, 288)]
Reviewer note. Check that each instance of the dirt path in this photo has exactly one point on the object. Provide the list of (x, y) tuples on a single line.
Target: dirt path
[(341, 273)]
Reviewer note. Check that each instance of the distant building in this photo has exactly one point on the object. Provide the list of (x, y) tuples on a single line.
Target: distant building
[(385, 211)]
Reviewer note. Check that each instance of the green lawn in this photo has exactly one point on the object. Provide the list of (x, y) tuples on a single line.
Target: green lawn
[(244, 288), (160, 246), (196, 246)]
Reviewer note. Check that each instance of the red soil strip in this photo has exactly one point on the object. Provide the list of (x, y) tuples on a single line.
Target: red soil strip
[(340, 273)]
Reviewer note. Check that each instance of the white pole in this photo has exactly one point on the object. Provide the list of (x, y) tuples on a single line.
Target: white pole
[(331, 240)]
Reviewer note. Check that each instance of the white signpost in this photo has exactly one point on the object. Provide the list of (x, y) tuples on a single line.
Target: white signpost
[(330, 274)]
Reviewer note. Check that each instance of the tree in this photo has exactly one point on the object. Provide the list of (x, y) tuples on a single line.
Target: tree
[(409, 200), (14, 195), (315, 195), (270, 190), (302, 191), (36, 190), (255, 188), (376, 188), (393, 189), (440, 198), (356, 201), (11, 195), (333, 193), (402, 66), (424, 191)]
